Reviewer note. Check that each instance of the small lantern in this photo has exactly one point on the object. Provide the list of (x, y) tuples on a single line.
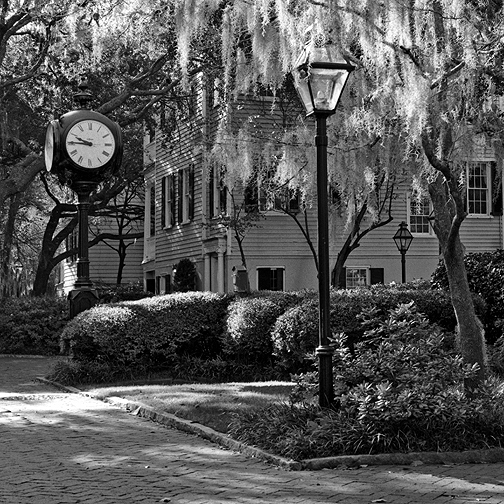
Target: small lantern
[(403, 238), (320, 77)]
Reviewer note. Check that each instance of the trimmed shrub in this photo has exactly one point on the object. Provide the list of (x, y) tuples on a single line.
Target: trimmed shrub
[(485, 273), (295, 332), (249, 324), (149, 332), (184, 279), (32, 325)]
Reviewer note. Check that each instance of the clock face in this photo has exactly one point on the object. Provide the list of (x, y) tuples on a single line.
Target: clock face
[(90, 144)]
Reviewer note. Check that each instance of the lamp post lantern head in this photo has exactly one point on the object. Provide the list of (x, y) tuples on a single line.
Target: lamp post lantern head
[(320, 76), (403, 238)]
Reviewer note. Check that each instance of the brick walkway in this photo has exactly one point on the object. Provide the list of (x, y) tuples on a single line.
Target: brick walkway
[(66, 448)]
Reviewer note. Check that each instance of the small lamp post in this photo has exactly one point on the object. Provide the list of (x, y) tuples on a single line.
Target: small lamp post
[(320, 77), (403, 239)]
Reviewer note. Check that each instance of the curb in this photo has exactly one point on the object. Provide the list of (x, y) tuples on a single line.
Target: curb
[(492, 455)]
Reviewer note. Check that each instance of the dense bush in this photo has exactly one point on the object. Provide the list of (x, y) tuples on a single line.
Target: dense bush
[(116, 293), (295, 332), (32, 325), (149, 332), (485, 273), (250, 322), (184, 278), (400, 391), (496, 357)]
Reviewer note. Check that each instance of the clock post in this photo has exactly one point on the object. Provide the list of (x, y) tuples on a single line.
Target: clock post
[(83, 148), (83, 296)]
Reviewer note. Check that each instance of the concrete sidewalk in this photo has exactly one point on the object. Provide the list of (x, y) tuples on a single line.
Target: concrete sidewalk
[(68, 448)]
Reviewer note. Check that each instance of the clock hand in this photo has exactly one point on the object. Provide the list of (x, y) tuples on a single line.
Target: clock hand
[(82, 141)]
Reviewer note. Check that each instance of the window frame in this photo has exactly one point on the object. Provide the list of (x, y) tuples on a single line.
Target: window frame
[(217, 194), (488, 202), (367, 270), (271, 269), (185, 194), (168, 201), (71, 242), (409, 201)]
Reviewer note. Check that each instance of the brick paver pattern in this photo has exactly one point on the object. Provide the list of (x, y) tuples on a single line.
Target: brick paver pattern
[(67, 448)]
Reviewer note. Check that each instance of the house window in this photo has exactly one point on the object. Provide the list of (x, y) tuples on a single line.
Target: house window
[(356, 277), (419, 211), (359, 276), (270, 279), (167, 284), (478, 188), (217, 194), (150, 212), (168, 201), (71, 242), (185, 194), (262, 194)]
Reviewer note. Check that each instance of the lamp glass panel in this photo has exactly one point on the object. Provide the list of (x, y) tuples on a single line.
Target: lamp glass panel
[(403, 240), (327, 85), (301, 80)]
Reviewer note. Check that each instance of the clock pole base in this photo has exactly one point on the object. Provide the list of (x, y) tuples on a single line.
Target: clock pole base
[(81, 300)]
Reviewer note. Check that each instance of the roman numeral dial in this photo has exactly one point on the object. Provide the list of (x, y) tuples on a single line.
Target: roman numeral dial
[(90, 144)]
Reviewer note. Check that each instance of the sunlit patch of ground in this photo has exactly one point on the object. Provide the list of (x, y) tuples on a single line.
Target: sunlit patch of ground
[(209, 404)]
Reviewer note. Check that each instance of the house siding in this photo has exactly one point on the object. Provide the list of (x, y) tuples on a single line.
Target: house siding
[(276, 241)]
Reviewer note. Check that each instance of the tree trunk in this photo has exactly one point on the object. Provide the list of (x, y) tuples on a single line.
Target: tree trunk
[(470, 329), (43, 273), (449, 214), (50, 243), (121, 251), (15, 203)]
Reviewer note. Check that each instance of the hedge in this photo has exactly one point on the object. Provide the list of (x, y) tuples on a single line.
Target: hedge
[(149, 332), (268, 330), (295, 333), (32, 325), (250, 322)]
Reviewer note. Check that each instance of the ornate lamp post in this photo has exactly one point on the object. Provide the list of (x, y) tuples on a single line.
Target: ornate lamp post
[(403, 239), (83, 148), (320, 77)]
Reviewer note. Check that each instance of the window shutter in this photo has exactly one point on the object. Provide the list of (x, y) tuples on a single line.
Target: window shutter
[(496, 191), (180, 195), (263, 279), (163, 202), (222, 198), (376, 275), (191, 192), (171, 188), (152, 211), (211, 192)]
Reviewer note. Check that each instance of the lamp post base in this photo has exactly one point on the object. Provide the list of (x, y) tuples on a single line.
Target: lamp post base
[(326, 386), (82, 299)]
